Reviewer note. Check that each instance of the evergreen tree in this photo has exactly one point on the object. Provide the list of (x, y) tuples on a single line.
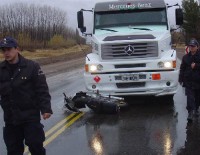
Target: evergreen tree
[(191, 16)]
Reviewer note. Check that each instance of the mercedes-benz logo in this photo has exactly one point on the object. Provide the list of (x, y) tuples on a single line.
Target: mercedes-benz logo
[(129, 50)]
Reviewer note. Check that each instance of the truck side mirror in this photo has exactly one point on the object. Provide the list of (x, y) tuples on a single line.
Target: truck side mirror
[(179, 16), (80, 20)]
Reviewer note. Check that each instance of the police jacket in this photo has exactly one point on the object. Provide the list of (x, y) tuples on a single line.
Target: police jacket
[(188, 76), (24, 94)]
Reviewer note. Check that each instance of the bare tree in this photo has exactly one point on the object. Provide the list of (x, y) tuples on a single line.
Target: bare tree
[(34, 25)]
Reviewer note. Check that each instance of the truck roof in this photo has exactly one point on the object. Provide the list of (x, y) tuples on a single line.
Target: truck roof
[(129, 5)]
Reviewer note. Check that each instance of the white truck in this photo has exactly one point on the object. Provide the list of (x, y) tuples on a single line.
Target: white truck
[(131, 49)]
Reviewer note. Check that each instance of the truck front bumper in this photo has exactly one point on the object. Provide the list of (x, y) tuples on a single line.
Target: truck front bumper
[(111, 84)]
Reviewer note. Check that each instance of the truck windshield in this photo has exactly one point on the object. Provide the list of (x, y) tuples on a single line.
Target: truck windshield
[(130, 18)]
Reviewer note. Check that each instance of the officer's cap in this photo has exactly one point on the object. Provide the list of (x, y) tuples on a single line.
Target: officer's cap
[(8, 42), (193, 42)]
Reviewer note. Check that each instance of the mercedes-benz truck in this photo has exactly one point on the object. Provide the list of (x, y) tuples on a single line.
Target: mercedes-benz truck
[(131, 49)]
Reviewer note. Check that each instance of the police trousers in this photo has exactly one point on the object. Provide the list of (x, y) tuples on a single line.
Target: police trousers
[(31, 133), (193, 99)]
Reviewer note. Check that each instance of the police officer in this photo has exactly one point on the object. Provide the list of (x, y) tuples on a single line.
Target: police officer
[(189, 77), (24, 96)]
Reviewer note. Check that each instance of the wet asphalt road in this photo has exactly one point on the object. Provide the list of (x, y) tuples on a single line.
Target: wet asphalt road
[(150, 126)]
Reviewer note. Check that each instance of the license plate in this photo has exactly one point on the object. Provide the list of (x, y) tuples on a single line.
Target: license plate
[(130, 77)]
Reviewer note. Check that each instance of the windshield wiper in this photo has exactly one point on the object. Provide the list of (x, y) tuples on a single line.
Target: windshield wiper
[(108, 30), (141, 28)]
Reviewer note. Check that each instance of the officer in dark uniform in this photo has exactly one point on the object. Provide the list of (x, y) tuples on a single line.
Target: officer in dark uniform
[(189, 77), (24, 96)]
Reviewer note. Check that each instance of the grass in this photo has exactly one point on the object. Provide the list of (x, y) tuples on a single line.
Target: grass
[(180, 45), (49, 53)]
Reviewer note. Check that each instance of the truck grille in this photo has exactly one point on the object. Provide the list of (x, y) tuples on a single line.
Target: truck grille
[(129, 50)]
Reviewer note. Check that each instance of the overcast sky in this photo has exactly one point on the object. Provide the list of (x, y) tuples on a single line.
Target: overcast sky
[(72, 6)]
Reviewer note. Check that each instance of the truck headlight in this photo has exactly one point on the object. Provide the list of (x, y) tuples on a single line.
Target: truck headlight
[(167, 64), (160, 64), (93, 67)]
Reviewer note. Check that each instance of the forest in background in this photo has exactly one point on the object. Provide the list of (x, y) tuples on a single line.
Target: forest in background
[(44, 27), (37, 27), (191, 23)]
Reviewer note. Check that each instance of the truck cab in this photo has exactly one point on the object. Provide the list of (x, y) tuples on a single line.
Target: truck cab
[(131, 49)]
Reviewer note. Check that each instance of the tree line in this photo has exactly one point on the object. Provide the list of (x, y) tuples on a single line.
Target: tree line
[(37, 26), (191, 26)]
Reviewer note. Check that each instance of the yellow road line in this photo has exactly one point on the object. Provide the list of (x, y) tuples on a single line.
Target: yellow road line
[(58, 125), (56, 134), (55, 127)]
